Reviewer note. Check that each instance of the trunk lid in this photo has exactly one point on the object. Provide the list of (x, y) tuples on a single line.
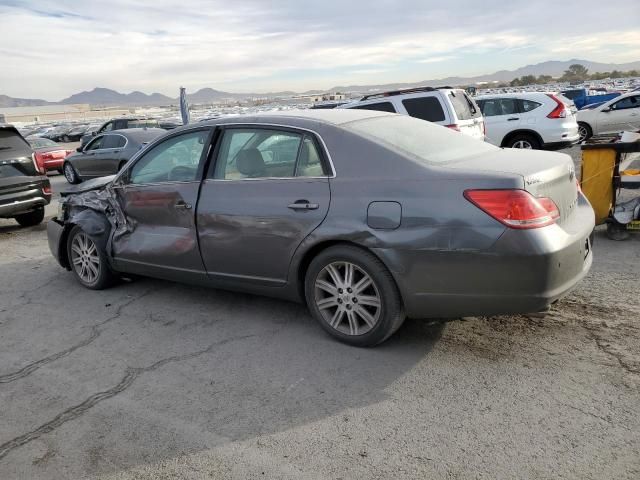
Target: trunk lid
[(544, 174)]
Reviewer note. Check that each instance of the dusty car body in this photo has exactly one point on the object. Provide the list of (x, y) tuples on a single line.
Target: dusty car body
[(386, 205)]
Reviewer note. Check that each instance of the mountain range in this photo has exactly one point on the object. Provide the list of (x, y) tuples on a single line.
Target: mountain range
[(105, 96)]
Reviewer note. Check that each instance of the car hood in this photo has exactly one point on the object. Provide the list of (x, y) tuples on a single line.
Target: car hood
[(87, 186)]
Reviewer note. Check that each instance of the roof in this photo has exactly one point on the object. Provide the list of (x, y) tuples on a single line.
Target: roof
[(511, 95), (327, 116), (140, 135)]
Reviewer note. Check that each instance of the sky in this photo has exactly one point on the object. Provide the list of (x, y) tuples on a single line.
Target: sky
[(51, 49)]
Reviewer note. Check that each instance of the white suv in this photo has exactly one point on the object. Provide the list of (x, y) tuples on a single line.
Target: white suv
[(445, 106), (621, 113), (529, 120)]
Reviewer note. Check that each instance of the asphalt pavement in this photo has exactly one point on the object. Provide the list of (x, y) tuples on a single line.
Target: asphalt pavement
[(155, 380)]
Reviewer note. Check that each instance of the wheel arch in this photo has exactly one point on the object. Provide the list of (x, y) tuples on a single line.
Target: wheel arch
[(522, 131)]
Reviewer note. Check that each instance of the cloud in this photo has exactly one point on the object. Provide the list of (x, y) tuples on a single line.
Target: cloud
[(59, 47)]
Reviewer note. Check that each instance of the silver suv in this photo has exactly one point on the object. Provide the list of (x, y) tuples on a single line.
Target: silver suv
[(449, 107)]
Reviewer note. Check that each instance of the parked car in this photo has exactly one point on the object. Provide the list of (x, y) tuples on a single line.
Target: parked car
[(448, 107), (581, 97), (617, 115), (106, 153), (48, 154), (24, 188), (121, 123), (56, 133), (365, 216), (74, 134), (530, 120)]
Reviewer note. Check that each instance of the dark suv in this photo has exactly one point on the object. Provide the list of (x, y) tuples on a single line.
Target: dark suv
[(24, 191), (122, 123)]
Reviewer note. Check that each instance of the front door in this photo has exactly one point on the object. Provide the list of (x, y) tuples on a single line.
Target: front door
[(623, 115), (158, 196), (267, 191)]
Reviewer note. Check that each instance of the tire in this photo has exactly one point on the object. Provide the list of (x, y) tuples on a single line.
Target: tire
[(70, 174), (88, 261), (32, 218), (332, 297), (528, 142), (60, 171), (66, 139), (585, 131)]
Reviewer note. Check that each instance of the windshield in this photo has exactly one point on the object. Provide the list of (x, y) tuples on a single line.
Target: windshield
[(424, 141)]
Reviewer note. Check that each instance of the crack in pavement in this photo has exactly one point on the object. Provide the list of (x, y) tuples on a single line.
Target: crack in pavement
[(130, 376), (610, 352), (96, 331)]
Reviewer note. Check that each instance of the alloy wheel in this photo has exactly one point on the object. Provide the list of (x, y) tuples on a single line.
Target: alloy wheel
[(69, 174), (522, 144), (582, 131), (348, 298), (85, 258)]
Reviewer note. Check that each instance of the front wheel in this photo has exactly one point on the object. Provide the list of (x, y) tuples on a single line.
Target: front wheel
[(70, 174), (32, 218), (584, 131), (88, 262), (353, 296)]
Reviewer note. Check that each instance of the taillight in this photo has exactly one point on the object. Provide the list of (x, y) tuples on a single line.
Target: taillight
[(515, 208), (560, 111), (454, 126), (38, 163)]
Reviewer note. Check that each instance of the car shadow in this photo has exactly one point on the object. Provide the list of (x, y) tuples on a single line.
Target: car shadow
[(150, 370)]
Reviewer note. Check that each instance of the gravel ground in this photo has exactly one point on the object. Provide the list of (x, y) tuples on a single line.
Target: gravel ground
[(154, 380)]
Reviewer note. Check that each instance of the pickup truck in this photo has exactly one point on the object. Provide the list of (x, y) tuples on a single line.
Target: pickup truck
[(581, 97)]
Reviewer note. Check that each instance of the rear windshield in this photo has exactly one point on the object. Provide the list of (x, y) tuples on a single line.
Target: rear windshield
[(12, 145), (464, 107), (15, 155), (424, 108), (423, 141)]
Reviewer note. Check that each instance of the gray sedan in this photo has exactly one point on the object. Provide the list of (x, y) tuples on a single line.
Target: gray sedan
[(365, 216), (107, 153)]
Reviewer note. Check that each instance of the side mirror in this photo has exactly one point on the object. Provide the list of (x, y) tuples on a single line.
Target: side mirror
[(606, 110), (94, 133), (79, 149)]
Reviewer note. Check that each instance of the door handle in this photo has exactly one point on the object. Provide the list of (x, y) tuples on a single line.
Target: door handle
[(303, 205), (512, 119), (182, 206)]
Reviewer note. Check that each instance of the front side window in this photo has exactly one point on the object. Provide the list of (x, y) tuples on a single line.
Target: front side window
[(95, 144), (265, 153), (174, 160), (378, 107), (629, 102), (424, 108)]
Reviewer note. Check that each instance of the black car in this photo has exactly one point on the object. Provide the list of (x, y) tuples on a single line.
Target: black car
[(120, 124), (106, 153), (24, 190), (74, 134)]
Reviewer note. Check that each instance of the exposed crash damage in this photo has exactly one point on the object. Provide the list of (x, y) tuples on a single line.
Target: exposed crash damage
[(92, 207)]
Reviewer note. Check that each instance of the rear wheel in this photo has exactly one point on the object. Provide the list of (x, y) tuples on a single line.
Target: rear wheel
[(584, 131), (88, 262), (66, 139), (70, 173), (528, 142), (353, 296), (32, 218)]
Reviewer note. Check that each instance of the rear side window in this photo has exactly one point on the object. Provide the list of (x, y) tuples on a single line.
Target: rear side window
[(464, 107), (528, 105), (424, 108), (379, 107), (492, 107), (114, 141)]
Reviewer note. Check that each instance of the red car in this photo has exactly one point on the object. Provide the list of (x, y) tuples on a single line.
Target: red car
[(48, 154)]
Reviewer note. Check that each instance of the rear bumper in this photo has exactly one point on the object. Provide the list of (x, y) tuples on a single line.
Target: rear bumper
[(524, 272), (23, 197), (559, 145)]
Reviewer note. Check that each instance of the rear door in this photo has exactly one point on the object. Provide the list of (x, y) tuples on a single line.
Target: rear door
[(501, 116), (267, 191)]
